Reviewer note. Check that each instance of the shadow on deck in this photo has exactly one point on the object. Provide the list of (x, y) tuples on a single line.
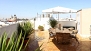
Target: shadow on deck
[(53, 46)]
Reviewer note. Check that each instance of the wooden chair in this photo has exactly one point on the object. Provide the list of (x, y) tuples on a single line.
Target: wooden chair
[(73, 35), (51, 32)]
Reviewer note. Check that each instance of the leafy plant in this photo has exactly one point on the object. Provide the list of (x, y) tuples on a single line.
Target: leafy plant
[(13, 44), (53, 23), (26, 29), (41, 28)]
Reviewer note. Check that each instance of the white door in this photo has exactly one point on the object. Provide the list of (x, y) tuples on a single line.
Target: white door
[(78, 22), (78, 27)]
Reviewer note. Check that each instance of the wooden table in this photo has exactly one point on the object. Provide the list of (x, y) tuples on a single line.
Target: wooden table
[(62, 37)]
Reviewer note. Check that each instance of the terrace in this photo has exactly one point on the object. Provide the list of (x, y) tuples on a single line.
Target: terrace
[(38, 38)]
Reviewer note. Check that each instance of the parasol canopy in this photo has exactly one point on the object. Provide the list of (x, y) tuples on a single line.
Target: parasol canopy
[(58, 9)]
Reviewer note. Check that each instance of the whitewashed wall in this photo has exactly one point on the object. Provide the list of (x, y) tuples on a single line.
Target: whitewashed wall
[(44, 22), (41, 21), (67, 23)]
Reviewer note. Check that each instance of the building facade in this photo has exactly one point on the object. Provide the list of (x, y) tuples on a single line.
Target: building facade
[(84, 22)]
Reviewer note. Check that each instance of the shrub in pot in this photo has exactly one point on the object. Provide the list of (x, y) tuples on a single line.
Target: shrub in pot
[(41, 32), (41, 28), (53, 23)]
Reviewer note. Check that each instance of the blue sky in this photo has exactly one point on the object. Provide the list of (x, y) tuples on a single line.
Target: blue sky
[(30, 8)]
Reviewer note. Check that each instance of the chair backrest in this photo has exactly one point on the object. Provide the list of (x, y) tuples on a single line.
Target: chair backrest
[(75, 31), (66, 31), (57, 30), (49, 29), (71, 29), (53, 30)]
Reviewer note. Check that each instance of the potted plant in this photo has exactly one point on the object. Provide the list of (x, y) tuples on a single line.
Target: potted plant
[(26, 29), (41, 28), (53, 23), (41, 32)]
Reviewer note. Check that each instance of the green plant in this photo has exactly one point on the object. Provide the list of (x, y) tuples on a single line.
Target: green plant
[(26, 29), (53, 23), (13, 44), (41, 28)]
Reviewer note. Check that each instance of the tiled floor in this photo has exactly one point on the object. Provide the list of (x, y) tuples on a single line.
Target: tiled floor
[(51, 45)]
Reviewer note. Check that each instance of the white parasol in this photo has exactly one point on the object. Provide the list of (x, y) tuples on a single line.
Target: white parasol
[(59, 10)]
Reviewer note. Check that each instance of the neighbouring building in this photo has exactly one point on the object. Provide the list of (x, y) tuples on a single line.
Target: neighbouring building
[(84, 22), (13, 18)]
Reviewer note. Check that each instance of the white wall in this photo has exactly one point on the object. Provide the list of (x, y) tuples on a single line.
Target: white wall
[(85, 22), (78, 21), (67, 23), (43, 22)]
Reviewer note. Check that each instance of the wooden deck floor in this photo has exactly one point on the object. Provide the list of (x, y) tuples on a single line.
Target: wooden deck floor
[(85, 45)]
